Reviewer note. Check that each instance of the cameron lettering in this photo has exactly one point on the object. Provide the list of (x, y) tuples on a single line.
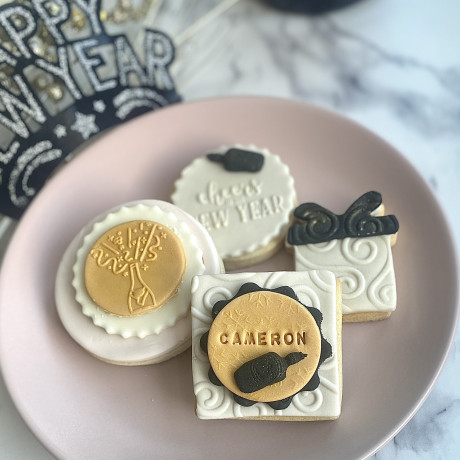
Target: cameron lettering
[(263, 338)]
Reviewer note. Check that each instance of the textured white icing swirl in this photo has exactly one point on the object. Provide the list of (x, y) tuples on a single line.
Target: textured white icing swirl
[(363, 265), (382, 290), (308, 296), (257, 410), (214, 295), (209, 397), (361, 251), (307, 402), (352, 279)]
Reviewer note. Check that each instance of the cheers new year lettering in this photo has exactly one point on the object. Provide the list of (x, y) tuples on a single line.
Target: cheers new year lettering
[(243, 201)]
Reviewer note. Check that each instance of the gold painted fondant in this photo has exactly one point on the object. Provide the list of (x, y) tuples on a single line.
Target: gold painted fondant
[(257, 323), (134, 267)]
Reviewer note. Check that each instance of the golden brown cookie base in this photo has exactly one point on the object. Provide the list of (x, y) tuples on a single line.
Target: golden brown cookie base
[(256, 257), (365, 316), (288, 419), (259, 255), (284, 419)]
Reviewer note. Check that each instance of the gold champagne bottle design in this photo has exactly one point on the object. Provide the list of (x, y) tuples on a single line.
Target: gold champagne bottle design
[(134, 267)]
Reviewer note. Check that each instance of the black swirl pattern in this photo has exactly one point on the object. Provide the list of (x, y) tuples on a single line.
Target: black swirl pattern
[(320, 225)]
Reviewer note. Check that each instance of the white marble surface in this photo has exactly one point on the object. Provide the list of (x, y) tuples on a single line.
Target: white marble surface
[(392, 66)]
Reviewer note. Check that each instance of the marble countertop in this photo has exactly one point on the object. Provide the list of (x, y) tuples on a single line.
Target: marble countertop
[(391, 65)]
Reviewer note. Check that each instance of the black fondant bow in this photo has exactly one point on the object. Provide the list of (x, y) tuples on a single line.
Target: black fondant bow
[(320, 225)]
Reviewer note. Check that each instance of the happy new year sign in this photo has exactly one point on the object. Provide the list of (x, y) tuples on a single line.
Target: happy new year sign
[(104, 83)]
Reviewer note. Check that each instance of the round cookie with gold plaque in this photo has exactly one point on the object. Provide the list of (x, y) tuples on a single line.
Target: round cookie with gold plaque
[(130, 270)]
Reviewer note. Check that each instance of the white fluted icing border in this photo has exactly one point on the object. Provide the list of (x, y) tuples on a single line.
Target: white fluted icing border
[(216, 402), (175, 308), (255, 234), (114, 348)]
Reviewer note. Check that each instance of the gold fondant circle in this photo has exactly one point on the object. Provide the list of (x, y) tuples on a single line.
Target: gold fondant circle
[(261, 322), (134, 267)]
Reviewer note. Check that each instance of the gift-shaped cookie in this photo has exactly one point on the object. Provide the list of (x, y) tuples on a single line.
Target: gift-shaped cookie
[(267, 346), (356, 247)]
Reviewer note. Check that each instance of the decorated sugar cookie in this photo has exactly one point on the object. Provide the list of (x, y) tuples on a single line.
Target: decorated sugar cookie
[(356, 247), (135, 267), (131, 270), (267, 346), (244, 197)]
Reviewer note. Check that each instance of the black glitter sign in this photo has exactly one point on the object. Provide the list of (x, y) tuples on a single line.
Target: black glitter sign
[(35, 136)]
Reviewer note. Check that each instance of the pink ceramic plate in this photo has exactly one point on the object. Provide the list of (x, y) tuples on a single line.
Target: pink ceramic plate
[(80, 407)]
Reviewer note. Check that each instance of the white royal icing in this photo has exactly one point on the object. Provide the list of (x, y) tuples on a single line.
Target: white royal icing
[(243, 211), (316, 289), (113, 347), (363, 265)]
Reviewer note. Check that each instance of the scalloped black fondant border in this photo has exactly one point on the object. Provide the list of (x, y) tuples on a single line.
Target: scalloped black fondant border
[(326, 348)]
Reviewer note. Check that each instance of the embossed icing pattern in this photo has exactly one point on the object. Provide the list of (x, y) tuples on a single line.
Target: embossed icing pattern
[(135, 267), (243, 211), (256, 323)]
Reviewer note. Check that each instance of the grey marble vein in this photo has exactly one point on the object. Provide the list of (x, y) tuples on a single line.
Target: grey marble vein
[(392, 66)]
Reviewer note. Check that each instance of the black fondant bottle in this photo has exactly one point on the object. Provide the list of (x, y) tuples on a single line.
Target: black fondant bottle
[(265, 370), (239, 160)]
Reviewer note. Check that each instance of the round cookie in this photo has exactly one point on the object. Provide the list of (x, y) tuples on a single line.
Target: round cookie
[(127, 248), (243, 196)]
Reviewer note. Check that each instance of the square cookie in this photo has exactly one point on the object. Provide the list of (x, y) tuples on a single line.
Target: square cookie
[(267, 346), (356, 247)]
